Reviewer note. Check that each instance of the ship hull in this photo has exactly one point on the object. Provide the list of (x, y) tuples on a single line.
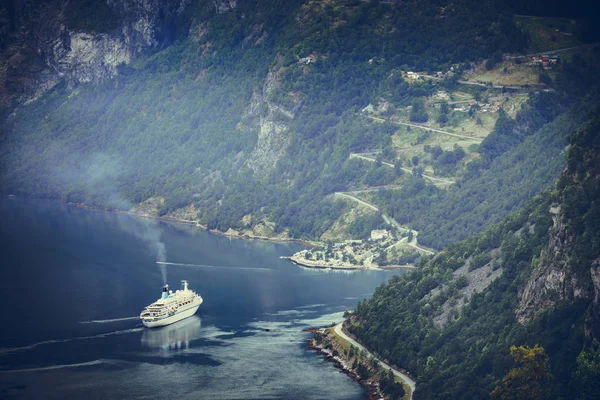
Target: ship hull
[(155, 323)]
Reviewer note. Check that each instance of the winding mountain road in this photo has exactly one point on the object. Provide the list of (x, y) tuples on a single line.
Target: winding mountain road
[(405, 378), (356, 199), (426, 128), (388, 220), (432, 178), (374, 189)]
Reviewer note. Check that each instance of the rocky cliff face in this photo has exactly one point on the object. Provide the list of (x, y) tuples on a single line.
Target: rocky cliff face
[(569, 268), (553, 280), (273, 120), (38, 48)]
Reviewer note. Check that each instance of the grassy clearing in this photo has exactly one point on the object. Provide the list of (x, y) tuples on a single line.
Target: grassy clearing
[(460, 96), (400, 249), (586, 52), (507, 73), (480, 126), (514, 104), (405, 137), (409, 142), (340, 344)]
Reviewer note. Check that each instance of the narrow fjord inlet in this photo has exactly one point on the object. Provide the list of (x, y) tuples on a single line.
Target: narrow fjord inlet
[(361, 199), (75, 281)]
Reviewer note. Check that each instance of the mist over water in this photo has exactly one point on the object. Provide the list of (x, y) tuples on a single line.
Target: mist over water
[(81, 324)]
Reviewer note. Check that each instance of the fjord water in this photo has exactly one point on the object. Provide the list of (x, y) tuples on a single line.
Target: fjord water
[(74, 281)]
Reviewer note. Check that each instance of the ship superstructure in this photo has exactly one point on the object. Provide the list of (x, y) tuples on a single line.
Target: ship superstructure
[(171, 307)]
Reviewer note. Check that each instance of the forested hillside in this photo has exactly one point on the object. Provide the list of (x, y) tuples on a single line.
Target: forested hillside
[(445, 121), (453, 327), (251, 113)]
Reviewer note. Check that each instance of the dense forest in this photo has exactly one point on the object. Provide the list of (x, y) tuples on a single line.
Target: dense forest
[(115, 145), (467, 353), (257, 113)]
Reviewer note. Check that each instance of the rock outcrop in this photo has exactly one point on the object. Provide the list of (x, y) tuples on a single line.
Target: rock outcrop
[(272, 122), (38, 49), (553, 281), (569, 268)]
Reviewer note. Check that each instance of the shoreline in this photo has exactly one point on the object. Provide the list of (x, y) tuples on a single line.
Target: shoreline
[(334, 347), (196, 224), (348, 267), (373, 390), (193, 223)]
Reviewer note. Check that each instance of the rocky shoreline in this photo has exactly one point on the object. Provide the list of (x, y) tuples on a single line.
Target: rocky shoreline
[(198, 225), (345, 267), (320, 343), (358, 365)]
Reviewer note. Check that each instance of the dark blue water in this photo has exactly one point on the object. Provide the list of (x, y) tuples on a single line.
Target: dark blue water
[(73, 283)]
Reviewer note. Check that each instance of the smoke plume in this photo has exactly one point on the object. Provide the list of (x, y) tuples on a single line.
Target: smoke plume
[(98, 175)]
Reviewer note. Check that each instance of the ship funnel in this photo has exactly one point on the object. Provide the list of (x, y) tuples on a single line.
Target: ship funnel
[(165, 292)]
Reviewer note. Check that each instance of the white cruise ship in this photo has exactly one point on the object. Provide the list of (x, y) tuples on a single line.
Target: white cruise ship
[(171, 307)]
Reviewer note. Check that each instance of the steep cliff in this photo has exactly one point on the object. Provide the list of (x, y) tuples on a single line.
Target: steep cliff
[(547, 292), (569, 269), (45, 43), (554, 279), (272, 123)]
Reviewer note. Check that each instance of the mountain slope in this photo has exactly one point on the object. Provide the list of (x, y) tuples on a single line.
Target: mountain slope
[(543, 287), (248, 116)]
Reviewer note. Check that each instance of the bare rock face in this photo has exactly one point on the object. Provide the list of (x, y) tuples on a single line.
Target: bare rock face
[(222, 6), (93, 58), (595, 273), (553, 281), (38, 50), (273, 120)]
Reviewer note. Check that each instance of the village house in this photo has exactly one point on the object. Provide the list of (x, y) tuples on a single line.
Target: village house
[(412, 75)]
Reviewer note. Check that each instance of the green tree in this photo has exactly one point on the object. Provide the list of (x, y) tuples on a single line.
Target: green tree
[(417, 112), (398, 168), (444, 109), (586, 379), (531, 380)]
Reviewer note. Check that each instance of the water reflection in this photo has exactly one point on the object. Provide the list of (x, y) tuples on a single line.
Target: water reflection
[(173, 337)]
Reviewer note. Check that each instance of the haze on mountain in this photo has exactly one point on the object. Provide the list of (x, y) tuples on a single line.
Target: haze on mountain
[(468, 129)]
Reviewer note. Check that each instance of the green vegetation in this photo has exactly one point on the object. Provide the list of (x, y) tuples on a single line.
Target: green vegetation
[(417, 112), (367, 368), (421, 35), (498, 182), (547, 33), (259, 115), (467, 353), (185, 123), (586, 379), (531, 380)]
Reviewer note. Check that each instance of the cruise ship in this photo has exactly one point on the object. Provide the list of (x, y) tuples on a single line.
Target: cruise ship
[(171, 307)]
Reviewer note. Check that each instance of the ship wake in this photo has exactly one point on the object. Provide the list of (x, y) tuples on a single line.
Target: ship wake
[(78, 338), (211, 266), (53, 367), (106, 321)]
